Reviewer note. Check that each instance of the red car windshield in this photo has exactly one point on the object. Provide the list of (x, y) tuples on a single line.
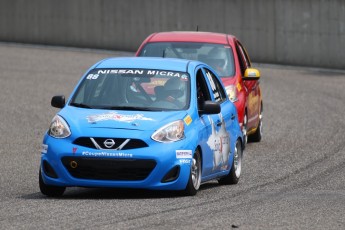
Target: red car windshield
[(219, 57)]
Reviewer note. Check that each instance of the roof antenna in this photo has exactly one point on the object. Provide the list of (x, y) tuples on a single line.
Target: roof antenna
[(197, 28)]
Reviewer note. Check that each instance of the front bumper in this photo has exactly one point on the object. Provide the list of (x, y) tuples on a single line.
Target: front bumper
[(153, 167)]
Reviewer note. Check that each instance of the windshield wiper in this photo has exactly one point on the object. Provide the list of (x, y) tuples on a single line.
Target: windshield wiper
[(80, 105)]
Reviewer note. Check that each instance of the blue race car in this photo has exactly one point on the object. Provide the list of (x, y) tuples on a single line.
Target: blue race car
[(149, 123)]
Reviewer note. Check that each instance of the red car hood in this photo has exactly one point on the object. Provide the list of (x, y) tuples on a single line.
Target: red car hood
[(229, 81)]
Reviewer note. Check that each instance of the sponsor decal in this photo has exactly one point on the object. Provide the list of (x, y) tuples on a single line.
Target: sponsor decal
[(188, 120), (74, 150), (143, 72), (184, 154), (44, 148), (185, 161), (163, 73), (92, 76), (219, 143), (120, 71), (213, 86), (107, 154), (239, 87), (117, 117), (184, 77)]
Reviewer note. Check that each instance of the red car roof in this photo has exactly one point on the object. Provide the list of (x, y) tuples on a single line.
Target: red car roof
[(190, 36)]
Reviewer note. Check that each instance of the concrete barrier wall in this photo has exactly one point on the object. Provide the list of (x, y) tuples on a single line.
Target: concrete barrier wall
[(296, 32)]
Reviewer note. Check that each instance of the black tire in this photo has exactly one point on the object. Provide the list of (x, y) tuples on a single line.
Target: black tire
[(256, 137), (194, 176), (50, 190), (234, 175)]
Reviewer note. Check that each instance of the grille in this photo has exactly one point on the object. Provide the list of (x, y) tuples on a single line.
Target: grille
[(108, 169), (120, 143)]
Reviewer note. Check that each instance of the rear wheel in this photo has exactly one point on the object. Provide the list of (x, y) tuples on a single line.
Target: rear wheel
[(50, 190), (234, 175), (195, 175)]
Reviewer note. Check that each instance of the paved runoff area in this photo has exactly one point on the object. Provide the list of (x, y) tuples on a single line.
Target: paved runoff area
[(293, 179)]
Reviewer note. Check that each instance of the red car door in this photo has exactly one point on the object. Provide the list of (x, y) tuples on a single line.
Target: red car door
[(252, 90)]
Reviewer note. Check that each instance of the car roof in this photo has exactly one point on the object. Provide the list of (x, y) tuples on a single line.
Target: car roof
[(173, 64), (190, 36)]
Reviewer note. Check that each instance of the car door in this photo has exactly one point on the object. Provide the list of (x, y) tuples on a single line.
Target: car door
[(252, 89), (217, 144)]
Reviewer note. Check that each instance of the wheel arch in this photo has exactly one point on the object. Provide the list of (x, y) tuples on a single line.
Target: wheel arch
[(201, 156), (242, 143)]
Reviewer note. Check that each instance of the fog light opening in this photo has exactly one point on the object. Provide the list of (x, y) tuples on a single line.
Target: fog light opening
[(172, 175), (48, 170)]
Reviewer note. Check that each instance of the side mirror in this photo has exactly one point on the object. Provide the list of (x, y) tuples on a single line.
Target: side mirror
[(251, 74), (58, 101), (210, 107)]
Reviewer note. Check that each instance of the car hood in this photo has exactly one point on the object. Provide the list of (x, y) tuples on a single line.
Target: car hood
[(80, 118)]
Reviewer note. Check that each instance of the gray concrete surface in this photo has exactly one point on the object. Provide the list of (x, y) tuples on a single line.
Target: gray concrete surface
[(293, 179), (295, 32)]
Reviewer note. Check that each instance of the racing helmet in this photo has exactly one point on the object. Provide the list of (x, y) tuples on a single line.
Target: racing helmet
[(218, 59), (175, 87)]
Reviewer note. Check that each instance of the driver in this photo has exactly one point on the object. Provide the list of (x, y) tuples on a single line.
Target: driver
[(218, 60), (174, 91)]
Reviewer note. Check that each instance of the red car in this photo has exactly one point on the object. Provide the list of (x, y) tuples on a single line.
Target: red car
[(228, 58)]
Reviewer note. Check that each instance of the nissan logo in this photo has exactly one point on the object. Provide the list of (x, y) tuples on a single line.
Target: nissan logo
[(109, 143)]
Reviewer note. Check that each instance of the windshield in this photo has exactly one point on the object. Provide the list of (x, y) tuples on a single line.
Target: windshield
[(133, 89), (219, 57)]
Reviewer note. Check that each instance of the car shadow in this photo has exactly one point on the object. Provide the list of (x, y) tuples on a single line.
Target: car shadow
[(117, 193)]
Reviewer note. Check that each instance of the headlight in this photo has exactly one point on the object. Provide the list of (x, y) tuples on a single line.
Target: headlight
[(59, 128), (231, 92), (171, 132)]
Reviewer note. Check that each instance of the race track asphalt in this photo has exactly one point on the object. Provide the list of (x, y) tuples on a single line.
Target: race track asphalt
[(293, 179)]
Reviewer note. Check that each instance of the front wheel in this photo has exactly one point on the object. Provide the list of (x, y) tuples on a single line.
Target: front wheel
[(195, 175), (50, 190), (235, 172), (256, 137), (244, 129)]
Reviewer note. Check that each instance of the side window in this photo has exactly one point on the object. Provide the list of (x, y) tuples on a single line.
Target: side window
[(202, 89), (217, 89), (245, 54), (242, 57)]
